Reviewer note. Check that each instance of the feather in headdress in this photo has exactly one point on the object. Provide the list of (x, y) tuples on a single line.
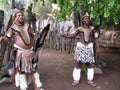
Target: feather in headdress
[(18, 7)]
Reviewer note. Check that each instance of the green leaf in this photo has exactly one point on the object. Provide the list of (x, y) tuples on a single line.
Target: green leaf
[(35, 0), (116, 21), (106, 13), (4, 1)]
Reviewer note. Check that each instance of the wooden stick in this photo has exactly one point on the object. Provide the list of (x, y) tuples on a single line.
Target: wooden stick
[(11, 26)]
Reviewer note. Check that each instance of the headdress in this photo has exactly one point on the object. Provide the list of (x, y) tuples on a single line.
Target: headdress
[(19, 7), (85, 15)]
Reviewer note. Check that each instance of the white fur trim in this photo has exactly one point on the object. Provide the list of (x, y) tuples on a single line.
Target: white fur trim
[(11, 71), (90, 74), (22, 49), (17, 82), (8, 35), (76, 74), (96, 35), (23, 81), (37, 80)]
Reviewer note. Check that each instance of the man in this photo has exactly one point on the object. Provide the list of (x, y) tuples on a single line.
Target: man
[(85, 49), (24, 64)]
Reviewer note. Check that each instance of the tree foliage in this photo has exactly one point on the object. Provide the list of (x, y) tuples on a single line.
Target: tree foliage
[(41, 9), (105, 12)]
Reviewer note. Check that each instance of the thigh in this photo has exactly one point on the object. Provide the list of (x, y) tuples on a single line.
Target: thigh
[(89, 65)]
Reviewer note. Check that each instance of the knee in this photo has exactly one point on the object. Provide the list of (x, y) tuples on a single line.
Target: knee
[(89, 65), (78, 65)]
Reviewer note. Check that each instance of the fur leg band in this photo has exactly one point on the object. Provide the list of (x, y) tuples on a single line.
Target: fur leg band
[(17, 82), (23, 82), (76, 74), (90, 74), (37, 80)]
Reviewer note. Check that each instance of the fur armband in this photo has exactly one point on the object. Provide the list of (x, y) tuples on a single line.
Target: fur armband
[(96, 35), (8, 36)]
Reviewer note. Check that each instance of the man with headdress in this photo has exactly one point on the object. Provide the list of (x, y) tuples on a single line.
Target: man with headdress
[(24, 61), (84, 49)]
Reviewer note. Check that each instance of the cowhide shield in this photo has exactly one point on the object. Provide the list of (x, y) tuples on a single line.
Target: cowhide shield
[(42, 36)]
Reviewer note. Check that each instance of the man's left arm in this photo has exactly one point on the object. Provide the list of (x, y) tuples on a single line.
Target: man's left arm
[(96, 36)]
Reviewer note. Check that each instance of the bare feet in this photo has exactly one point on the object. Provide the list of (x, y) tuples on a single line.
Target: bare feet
[(75, 83), (42, 89), (91, 83)]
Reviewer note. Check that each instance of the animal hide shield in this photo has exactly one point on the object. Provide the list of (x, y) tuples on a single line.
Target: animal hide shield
[(40, 40)]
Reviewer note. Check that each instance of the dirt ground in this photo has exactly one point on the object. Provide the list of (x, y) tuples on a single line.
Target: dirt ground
[(56, 69)]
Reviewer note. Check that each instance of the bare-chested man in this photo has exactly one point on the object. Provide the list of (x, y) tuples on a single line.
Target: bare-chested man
[(24, 66), (84, 49)]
